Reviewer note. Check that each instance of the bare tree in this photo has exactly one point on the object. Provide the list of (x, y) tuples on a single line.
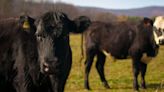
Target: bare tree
[(6, 7), (105, 17)]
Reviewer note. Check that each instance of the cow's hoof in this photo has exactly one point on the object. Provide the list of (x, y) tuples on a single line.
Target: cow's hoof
[(106, 85), (143, 86), (136, 87), (87, 87), (136, 90)]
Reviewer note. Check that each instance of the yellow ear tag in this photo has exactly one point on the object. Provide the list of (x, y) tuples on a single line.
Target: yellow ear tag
[(26, 24)]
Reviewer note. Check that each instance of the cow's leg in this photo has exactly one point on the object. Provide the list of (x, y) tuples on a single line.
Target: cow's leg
[(58, 81), (135, 64), (55, 82), (65, 71), (143, 68), (88, 63), (100, 68)]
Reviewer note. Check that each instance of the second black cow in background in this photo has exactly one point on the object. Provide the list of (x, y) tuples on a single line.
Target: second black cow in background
[(119, 40)]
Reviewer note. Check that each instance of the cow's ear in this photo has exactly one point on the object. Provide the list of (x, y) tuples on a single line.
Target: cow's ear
[(24, 22), (21, 20), (32, 24), (80, 24), (147, 22), (27, 24), (31, 20)]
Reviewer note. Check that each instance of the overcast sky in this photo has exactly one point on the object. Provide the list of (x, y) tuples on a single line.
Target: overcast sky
[(115, 4)]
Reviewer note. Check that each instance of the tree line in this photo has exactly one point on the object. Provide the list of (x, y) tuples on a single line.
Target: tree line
[(13, 8)]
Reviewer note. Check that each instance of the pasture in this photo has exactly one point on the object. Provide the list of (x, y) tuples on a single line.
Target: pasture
[(118, 74)]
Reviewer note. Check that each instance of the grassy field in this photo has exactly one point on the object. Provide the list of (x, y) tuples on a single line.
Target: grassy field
[(118, 74)]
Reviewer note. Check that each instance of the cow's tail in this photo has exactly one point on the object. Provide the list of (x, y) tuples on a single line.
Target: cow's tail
[(82, 48)]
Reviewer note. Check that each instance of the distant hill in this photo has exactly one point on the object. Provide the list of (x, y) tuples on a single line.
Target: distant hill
[(143, 12)]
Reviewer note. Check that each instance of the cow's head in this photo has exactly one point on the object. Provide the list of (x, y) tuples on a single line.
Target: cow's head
[(146, 31), (53, 39), (159, 30)]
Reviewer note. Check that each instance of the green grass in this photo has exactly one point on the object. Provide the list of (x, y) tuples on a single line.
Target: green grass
[(118, 74)]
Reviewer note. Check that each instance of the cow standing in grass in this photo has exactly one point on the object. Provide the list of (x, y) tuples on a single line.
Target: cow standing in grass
[(120, 40), (54, 50)]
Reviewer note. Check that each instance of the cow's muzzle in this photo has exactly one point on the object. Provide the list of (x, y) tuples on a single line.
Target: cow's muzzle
[(49, 66)]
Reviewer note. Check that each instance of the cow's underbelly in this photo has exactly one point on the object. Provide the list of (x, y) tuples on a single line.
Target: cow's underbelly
[(145, 59), (115, 57)]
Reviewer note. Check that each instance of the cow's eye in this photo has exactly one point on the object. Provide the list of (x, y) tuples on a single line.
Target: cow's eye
[(59, 27), (42, 36), (50, 29)]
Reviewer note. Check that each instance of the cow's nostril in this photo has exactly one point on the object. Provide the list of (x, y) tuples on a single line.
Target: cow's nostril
[(46, 67)]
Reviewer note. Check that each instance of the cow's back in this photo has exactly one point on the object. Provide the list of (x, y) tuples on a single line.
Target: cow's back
[(109, 37)]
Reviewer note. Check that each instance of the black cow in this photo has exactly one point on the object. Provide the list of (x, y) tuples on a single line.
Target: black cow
[(119, 40), (19, 66), (55, 54)]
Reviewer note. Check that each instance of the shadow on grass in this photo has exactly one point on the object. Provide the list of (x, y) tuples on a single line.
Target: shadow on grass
[(154, 85), (149, 86), (121, 88)]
